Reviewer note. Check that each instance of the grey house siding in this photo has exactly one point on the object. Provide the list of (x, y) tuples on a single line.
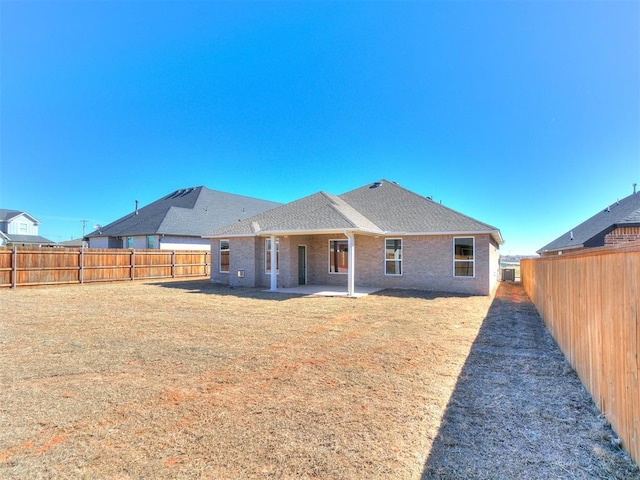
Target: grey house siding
[(427, 263)]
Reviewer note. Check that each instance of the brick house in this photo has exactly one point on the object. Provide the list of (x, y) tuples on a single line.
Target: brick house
[(380, 235), (617, 223)]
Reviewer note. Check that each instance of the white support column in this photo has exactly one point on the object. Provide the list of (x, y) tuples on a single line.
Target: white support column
[(274, 265), (351, 263)]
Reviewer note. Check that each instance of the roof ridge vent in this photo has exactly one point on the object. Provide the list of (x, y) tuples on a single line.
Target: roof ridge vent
[(376, 184)]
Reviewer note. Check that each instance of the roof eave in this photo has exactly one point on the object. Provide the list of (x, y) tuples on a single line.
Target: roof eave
[(559, 249), (265, 233), (494, 233), (268, 233)]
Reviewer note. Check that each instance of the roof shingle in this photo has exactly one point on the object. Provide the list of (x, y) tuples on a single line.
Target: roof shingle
[(381, 208)]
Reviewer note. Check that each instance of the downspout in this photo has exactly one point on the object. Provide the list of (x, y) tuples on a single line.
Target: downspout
[(351, 263), (274, 264)]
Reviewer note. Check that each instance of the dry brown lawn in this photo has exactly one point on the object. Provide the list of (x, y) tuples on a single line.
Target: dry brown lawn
[(191, 380)]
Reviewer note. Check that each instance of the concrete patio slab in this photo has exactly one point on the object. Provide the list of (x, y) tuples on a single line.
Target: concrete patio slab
[(327, 291)]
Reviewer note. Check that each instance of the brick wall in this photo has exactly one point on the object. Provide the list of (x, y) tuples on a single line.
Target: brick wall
[(621, 235), (427, 263), (241, 257)]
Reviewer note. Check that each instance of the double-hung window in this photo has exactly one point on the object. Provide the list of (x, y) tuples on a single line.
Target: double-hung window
[(463, 257), (393, 256), (338, 256), (149, 241), (267, 255), (224, 256)]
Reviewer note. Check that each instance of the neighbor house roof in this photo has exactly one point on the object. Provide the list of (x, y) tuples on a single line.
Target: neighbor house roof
[(75, 242), (27, 239), (591, 232), (186, 212), (380, 208), (7, 215)]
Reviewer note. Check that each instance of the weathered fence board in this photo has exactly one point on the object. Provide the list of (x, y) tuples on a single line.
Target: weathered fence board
[(51, 266), (590, 301)]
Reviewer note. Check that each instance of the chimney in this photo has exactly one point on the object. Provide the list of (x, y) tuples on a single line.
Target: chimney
[(136, 207)]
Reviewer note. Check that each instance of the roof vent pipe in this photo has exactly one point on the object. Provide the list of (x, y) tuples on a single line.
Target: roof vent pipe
[(634, 188), (136, 207)]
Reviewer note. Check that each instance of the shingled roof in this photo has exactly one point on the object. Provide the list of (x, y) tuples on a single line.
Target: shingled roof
[(379, 208), (591, 232), (186, 212), (7, 215)]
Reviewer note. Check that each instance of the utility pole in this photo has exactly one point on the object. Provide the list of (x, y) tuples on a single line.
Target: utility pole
[(84, 224)]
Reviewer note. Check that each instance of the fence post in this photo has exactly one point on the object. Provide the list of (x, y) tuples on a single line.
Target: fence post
[(82, 264), (14, 271), (133, 264), (173, 264)]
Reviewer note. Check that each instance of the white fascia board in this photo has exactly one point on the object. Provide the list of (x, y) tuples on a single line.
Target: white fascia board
[(231, 235), (495, 233), (281, 233), (331, 231)]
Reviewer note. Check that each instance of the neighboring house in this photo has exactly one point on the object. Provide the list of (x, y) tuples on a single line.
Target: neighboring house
[(618, 223), (20, 228), (379, 235), (177, 221), (73, 243)]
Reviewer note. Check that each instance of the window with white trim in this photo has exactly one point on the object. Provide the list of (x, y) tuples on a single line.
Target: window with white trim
[(464, 257), (393, 256), (224, 256), (338, 256), (267, 255)]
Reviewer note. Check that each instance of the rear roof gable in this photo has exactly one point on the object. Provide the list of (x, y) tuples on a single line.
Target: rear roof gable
[(396, 209)]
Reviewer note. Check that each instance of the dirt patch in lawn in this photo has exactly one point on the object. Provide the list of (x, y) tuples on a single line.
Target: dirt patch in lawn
[(193, 380)]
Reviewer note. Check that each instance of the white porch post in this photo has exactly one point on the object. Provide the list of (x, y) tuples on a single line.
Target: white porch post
[(351, 263), (274, 265)]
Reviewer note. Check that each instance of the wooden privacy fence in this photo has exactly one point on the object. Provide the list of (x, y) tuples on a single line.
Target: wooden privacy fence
[(590, 301), (50, 266)]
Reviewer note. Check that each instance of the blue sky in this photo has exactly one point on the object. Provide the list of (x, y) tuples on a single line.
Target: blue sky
[(524, 115)]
